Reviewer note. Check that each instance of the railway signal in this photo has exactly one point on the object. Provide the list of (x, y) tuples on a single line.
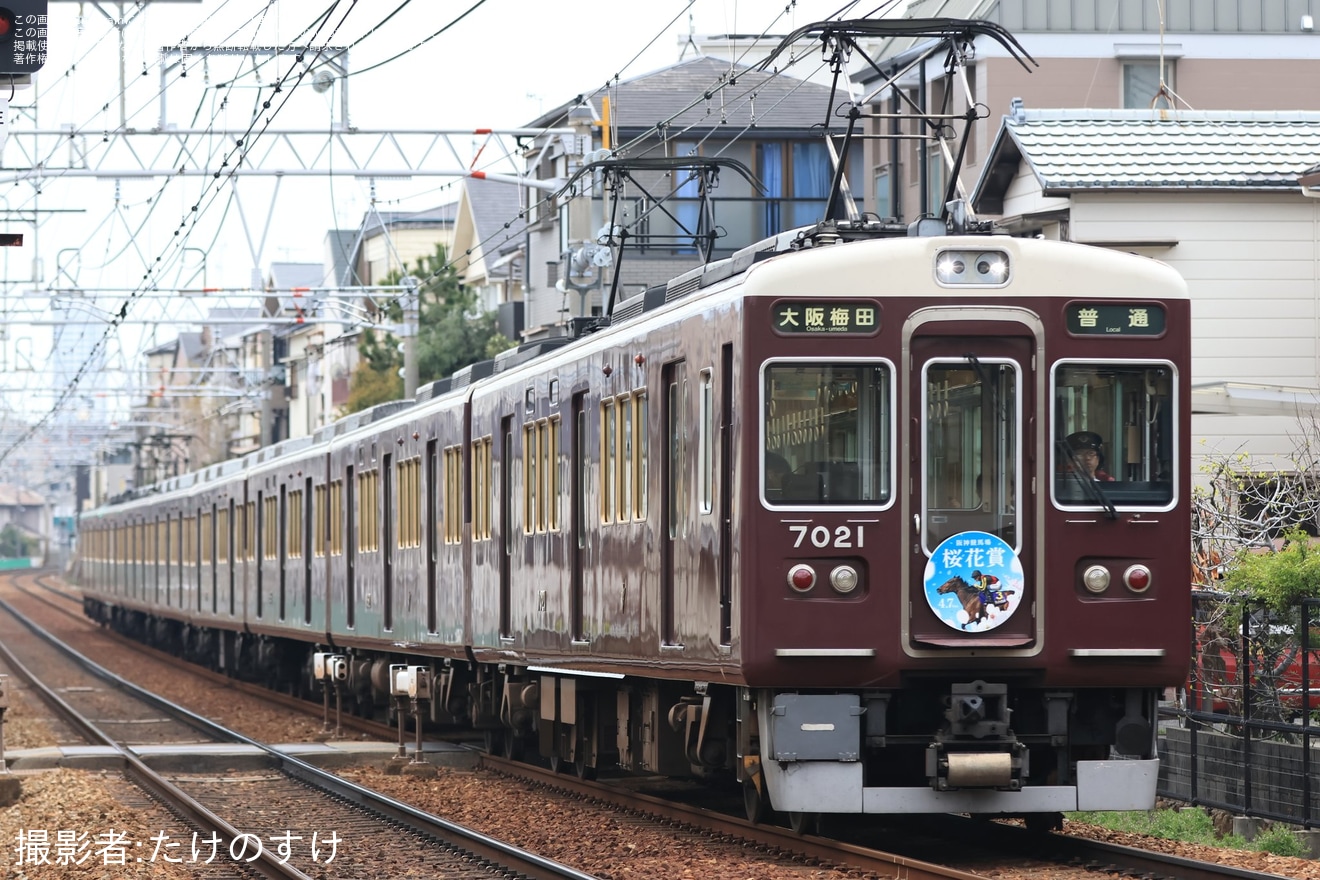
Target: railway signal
[(22, 36)]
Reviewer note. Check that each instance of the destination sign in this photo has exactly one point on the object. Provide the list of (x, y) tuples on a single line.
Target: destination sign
[(1110, 319), (826, 317)]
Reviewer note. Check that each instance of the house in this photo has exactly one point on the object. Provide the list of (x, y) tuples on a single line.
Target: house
[(392, 241), (167, 439), (1092, 54), (1226, 198), (489, 249), (770, 124), (27, 512)]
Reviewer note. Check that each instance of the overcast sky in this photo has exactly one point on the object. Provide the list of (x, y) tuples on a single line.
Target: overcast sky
[(497, 67)]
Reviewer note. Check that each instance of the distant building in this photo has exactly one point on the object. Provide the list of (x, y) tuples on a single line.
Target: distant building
[(27, 512), (393, 241), (776, 137), (490, 249), (1092, 54)]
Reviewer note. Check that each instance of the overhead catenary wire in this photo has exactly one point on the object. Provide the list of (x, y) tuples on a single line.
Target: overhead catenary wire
[(209, 196), (122, 312)]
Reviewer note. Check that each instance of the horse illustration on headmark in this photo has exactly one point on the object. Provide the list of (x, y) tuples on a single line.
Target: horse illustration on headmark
[(975, 601)]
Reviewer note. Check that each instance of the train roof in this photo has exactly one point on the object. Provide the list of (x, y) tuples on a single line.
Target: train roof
[(860, 258)]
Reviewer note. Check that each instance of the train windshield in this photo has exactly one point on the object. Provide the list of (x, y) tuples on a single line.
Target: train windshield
[(972, 441), (826, 434), (1113, 440)]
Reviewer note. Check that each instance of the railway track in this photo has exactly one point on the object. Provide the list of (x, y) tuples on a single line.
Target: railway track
[(270, 812), (855, 845), (1010, 846), (70, 605)]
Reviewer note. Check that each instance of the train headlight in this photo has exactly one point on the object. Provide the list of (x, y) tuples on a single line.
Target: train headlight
[(993, 265), (971, 267), (844, 579), (1096, 578), (802, 578), (950, 268), (1137, 578)]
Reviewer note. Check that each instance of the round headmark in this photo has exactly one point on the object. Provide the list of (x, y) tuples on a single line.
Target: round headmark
[(974, 581)]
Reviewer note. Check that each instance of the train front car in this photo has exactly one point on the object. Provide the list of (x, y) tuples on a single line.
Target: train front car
[(965, 532)]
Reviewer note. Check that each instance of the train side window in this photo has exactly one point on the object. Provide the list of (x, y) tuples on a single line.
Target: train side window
[(706, 443), (250, 540), (482, 487), (318, 521), (626, 471), (336, 517), (545, 471), (222, 533), (451, 486), (826, 432), (1113, 437), (640, 446), (208, 546), (531, 463), (607, 459), (293, 525), (408, 501)]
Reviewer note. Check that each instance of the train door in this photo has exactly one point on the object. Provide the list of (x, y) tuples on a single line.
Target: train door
[(428, 532), (309, 548), (578, 513), (676, 561), (387, 511), (505, 494), (972, 571), (350, 512)]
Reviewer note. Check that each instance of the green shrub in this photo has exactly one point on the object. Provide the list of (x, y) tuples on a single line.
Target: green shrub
[(1279, 840), (1278, 580)]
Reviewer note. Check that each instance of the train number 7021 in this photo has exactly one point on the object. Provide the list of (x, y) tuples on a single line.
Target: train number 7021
[(843, 537)]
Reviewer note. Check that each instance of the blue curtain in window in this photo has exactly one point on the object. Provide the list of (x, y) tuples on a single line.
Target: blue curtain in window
[(811, 182), (688, 204), (771, 172)]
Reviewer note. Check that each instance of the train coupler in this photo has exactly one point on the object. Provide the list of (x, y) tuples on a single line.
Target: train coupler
[(975, 746), (1002, 768)]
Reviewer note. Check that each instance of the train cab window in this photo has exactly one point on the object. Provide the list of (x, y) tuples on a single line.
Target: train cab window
[(827, 434), (1112, 438), (972, 427)]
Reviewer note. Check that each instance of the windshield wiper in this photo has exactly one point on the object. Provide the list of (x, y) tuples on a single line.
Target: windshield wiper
[(1091, 486)]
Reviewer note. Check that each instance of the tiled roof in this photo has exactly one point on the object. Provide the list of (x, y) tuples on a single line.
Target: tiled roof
[(374, 222), (1137, 149), (15, 496), (781, 101), (493, 205)]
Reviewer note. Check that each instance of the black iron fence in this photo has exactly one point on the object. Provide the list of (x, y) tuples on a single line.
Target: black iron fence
[(1243, 736)]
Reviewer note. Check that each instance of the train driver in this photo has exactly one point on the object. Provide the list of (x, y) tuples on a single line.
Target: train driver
[(1086, 450), (777, 472)]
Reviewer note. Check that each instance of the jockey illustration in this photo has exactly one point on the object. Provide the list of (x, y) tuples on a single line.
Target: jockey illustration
[(991, 593)]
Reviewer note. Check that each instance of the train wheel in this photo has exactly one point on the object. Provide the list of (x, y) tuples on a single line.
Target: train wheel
[(1044, 821), (494, 741), (513, 746), (581, 769), (755, 804), (804, 823)]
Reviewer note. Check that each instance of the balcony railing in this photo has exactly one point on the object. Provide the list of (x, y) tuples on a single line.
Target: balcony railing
[(676, 228)]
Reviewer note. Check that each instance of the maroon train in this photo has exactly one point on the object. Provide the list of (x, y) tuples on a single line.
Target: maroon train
[(824, 518)]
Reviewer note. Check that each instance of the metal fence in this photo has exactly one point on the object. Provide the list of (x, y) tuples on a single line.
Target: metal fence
[(1242, 736)]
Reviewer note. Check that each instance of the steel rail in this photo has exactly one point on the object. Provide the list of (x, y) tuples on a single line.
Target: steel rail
[(189, 808), (837, 853), (483, 846), (1012, 840)]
